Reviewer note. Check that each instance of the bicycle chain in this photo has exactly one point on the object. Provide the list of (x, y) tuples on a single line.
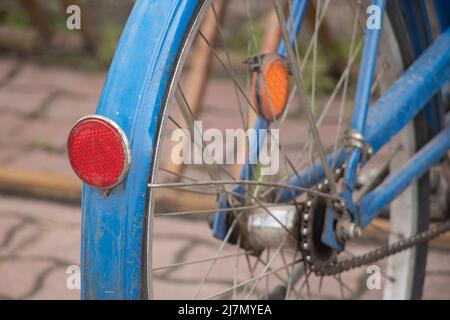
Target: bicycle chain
[(335, 267), (382, 252)]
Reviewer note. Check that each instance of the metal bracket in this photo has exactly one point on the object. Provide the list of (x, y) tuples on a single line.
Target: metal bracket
[(255, 62), (355, 139)]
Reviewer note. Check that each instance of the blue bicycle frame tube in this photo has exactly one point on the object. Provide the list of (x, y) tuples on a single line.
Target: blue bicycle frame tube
[(401, 102), (420, 40), (294, 22), (378, 199), (363, 93), (309, 177), (408, 95), (396, 108)]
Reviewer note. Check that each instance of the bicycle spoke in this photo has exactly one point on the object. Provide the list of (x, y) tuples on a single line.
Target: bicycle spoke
[(297, 272), (343, 285), (307, 108), (314, 36), (228, 71), (333, 95), (314, 59), (218, 253), (305, 283), (345, 89), (212, 211), (379, 78), (251, 269), (185, 263), (187, 113), (266, 267), (279, 277), (243, 182), (251, 280), (228, 57), (236, 268)]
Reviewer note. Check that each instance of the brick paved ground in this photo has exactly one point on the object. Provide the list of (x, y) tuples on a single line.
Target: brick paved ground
[(39, 240)]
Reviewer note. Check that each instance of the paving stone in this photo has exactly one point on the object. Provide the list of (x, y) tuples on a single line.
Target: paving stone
[(9, 126), (58, 78), (45, 242), (68, 109), (38, 160), (7, 67), (19, 277), (21, 103), (45, 134), (8, 154), (39, 209), (54, 287)]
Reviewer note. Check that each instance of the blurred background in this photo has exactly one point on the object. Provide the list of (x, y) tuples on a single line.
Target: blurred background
[(51, 76)]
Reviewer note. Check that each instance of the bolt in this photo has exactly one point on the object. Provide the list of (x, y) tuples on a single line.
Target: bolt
[(352, 231), (357, 231), (347, 230), (306, 217)]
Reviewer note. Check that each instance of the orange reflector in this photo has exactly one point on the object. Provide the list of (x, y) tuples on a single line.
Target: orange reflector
[(270, 86)]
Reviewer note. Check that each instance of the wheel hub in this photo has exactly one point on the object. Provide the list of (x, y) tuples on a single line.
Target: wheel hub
[(270, 227)]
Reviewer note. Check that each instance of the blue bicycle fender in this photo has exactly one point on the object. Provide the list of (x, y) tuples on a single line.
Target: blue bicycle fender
[(113, 250)]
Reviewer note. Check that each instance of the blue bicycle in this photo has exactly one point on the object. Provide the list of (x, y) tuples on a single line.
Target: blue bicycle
[(351, 141)]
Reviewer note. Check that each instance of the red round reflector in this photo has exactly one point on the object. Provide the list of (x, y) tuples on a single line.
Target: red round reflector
[(98, 152)]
